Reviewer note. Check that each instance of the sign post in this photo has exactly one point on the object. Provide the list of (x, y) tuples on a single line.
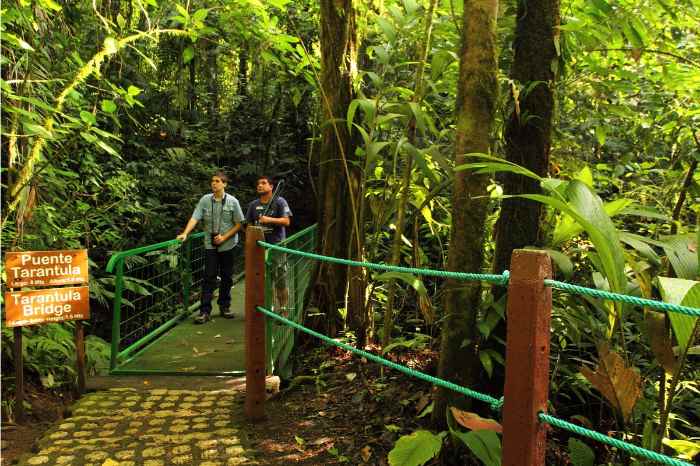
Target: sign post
[(46, 305)]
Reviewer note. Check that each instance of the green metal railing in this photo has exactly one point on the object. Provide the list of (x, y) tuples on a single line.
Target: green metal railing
[(155, 287), (293, 273)]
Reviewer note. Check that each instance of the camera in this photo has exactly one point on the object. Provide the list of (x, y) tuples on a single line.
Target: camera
[(212, 236)]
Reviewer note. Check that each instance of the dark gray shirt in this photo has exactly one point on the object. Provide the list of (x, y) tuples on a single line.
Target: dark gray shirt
[(279, 209)]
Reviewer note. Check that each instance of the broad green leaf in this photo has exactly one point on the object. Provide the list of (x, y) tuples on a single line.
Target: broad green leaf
[(201, 14), (108, 106), (374, 148), (682, 252), (485, 445), (50, 4), (686, 449), (600, 134), (387, 28), (640, 246), (416, 449), (686, 293), (562, 261), (419, 116), (133, 90), (411, 6), (408, 278), (88, 117), (486, 362), (187, 54), (422, 164), (580, 453), (107, 148), (110, 45), (182, 11), (568, 228), (585, 175)]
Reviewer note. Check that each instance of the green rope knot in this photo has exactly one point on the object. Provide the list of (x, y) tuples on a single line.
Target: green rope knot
[(497, 405), (505, 277)]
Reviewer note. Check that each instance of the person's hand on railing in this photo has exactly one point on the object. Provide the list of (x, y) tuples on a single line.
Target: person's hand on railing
[(182, 236)]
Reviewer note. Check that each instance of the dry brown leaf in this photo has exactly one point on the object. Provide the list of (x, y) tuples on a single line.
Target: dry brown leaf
[(321, 441), (422, 403), (619, 384), (366, 453), (660, 340), (473, 421)]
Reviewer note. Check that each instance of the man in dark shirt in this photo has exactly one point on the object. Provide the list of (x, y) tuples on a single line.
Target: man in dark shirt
[(274, 215)]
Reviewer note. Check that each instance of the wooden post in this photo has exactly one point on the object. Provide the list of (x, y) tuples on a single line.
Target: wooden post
[(80, 356), (19, 376), (254, 324), (527, 359)]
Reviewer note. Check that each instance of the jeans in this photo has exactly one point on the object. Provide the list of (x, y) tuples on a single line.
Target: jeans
[(217, 264)]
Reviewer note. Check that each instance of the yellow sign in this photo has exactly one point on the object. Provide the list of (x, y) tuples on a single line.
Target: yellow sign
[(46, 268), (46, 305)]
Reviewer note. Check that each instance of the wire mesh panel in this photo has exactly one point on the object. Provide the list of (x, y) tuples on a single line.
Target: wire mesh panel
[(286, 280), (154, 287)]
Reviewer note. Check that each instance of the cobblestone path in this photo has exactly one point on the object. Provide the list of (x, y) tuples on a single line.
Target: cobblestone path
[(157, 427)]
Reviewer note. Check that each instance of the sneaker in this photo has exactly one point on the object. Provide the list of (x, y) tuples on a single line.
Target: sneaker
[(227, 314), (202, 318)]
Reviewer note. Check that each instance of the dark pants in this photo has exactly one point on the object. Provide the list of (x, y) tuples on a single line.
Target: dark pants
[(217, 264)]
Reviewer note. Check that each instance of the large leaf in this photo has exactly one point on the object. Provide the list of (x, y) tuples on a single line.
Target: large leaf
[(485, 445), (580, 453), (473, 421), (416, 449), (568, 227), (619, 384), (682, 252), (686, 293), (659, 338)]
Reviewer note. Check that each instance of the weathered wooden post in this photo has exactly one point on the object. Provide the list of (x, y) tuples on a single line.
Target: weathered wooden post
[(19, 376), (527, 359), (80, 356), (254, 324)]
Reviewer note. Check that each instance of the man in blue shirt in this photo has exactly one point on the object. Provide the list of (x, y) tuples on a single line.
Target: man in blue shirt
[(274, 215), (222, 217)]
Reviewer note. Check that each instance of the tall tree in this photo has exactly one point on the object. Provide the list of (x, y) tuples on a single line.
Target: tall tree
[(527, 135), (529, 126), (476, 103), (337, 215)]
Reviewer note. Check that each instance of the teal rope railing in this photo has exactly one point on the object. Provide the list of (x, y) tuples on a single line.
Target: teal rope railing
[(496, 279), (613, 442), (484, 277), (495, 403), (610, 296)]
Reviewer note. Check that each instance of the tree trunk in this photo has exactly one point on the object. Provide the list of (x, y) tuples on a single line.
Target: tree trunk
[(527, 138), (476, 102), (337, 209), (242, 85)]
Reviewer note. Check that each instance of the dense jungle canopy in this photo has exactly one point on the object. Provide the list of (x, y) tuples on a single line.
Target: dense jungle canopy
[(428, 133)]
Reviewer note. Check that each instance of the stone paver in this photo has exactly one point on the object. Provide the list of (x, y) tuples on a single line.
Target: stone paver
[(157, 427)]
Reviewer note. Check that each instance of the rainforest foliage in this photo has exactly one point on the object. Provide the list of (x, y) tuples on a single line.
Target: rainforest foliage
[(428, 133)]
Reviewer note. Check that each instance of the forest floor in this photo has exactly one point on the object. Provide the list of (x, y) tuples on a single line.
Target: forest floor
[(340, 410)]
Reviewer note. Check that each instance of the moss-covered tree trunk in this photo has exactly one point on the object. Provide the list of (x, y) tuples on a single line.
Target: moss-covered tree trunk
[(337, 210), (529, 126), (476, 101), (528, 136)]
